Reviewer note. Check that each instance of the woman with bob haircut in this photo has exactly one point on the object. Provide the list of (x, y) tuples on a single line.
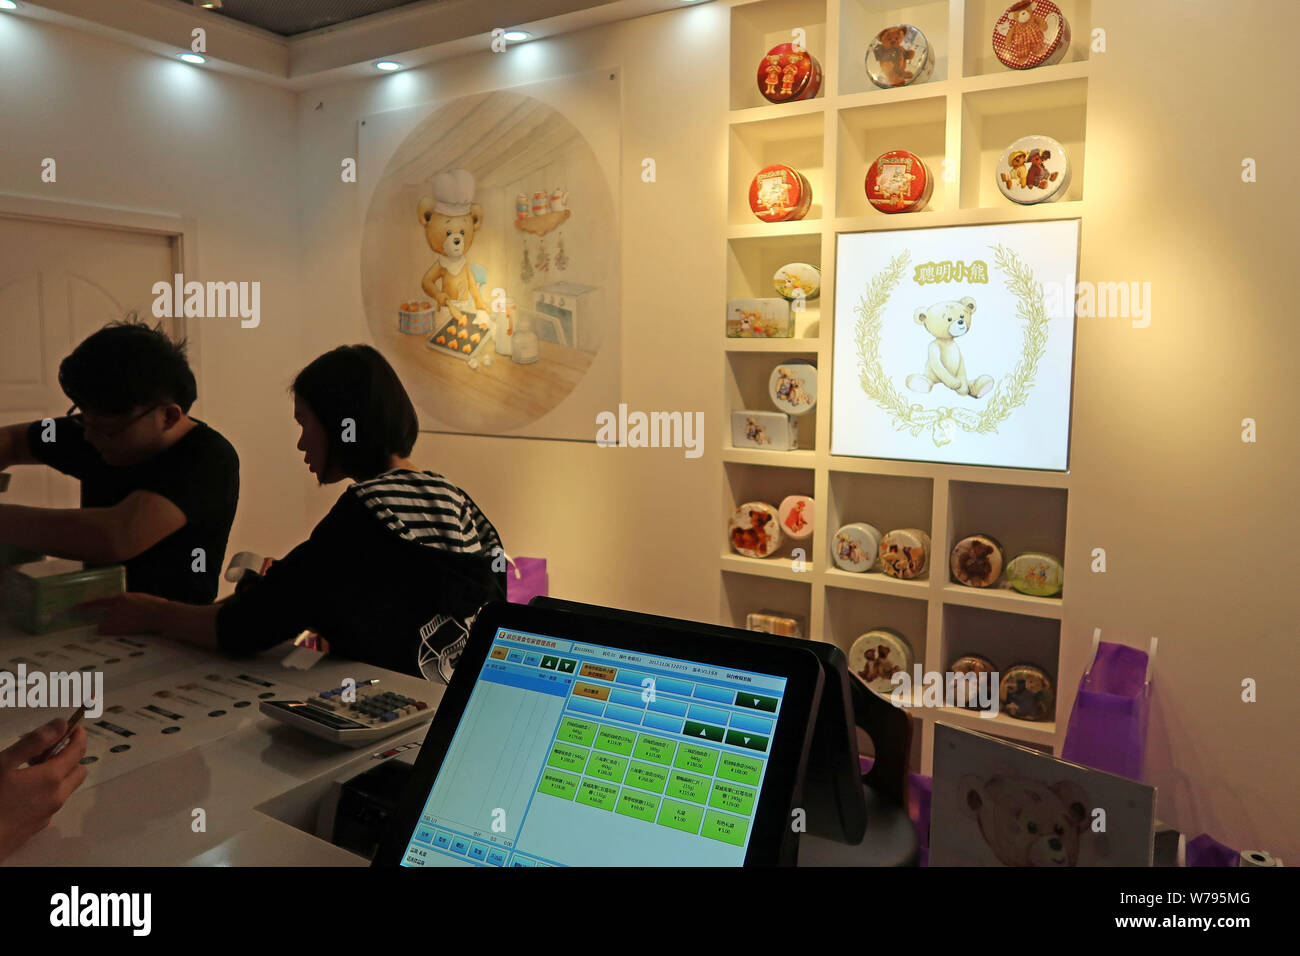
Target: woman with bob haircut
[(393, 575)]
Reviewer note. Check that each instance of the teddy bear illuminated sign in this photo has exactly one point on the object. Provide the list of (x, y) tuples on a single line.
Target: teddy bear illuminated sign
[(916, 377)]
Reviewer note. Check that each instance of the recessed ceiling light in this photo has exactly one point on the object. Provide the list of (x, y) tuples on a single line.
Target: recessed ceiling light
[(208, 4), (388, 65), (8, 5), (191, 58), (517, 36)]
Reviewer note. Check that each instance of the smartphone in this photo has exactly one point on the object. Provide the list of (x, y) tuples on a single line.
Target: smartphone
[(62, 742)]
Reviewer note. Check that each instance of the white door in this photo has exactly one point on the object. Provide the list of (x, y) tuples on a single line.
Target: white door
[(59, 283)]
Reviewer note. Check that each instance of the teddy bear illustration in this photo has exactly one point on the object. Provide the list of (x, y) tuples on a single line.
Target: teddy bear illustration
[(756, 433), (974, 561), (790, 388), (877, 665), (1038, 176), (772, 75), (848, 549), (892, 57), (901, 562), (754, 538), (948, 321), (1019, 171), (1026, 698), (450, 219), (1025, 822), (1027, 31)]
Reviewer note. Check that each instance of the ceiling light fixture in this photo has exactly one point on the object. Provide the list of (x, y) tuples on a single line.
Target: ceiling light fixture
[(8, 5), (208, 4), (191, 58), (388, 65), (517, 36)]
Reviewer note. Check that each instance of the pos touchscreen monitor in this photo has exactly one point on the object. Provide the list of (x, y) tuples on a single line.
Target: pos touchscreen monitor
[(568, 740)]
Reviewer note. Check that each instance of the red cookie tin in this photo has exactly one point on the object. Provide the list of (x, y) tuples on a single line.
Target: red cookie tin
[(1031, 33), (898, 181), (787, 74), (779, 194)]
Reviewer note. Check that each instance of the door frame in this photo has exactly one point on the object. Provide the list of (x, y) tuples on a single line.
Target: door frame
[(181, 230)]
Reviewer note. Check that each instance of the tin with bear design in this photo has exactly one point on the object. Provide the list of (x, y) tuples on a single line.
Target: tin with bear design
[(879, 654), (898, 181), (1031, 33), (755, 530), (899, 56), (1026, 693), (977, 561)]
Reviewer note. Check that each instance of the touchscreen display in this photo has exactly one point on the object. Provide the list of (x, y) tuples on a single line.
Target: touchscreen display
[(575, 754)]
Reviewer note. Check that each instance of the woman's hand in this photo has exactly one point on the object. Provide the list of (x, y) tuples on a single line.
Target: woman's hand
[(130, 613), (30, 796)]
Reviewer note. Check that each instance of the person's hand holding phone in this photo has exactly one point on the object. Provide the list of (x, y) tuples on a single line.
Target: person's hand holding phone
[(31, 795)]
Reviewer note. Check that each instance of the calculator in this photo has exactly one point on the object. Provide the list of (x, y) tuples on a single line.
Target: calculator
[(352, 716)]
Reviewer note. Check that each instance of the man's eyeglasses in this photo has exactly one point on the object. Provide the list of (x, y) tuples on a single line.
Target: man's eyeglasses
[(99, 429)]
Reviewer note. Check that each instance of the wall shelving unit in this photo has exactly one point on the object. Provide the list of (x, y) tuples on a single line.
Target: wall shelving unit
[(959, 122)]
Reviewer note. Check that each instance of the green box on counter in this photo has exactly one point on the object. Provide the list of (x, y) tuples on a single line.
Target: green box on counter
[(42, 596)]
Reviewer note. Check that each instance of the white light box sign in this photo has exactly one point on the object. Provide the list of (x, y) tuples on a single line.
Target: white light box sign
[(956, 345)]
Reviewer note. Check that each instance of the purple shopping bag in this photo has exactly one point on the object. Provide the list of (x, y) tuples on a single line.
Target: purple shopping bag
[(1108, 726), (525, 579)]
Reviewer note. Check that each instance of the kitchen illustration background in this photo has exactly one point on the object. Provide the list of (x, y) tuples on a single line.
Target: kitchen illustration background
[(559, 264)]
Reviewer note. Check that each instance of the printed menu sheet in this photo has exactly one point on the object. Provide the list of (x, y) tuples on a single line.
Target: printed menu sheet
[(159, 699)]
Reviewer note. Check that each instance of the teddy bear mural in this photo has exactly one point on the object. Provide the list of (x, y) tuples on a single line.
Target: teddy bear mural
[(450, 219), (948, 321), (1025, 822)]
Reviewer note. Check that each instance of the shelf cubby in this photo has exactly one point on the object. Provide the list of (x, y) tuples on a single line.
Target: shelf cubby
[(981, 15), (752, 263), (993, 119), (748, 377), (744, 594), (865, 132), (794, 141), (1020, 518), (861, 20), (757, 27)]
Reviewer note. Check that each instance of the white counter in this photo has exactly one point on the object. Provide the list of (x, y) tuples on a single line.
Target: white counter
[(144, 817)]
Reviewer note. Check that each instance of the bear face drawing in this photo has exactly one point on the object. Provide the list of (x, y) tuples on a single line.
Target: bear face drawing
[(1025, 822)]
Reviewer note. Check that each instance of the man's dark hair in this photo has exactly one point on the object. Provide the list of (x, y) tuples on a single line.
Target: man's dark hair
[(356, 382), (126, 365)]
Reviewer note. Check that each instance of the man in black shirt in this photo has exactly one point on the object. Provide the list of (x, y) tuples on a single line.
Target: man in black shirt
[(158, 488)]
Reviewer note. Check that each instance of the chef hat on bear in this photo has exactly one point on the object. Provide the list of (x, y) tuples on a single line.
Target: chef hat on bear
[(453, 192)]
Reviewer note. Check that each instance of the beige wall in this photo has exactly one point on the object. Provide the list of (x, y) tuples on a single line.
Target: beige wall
[(150, 134), (1196, 524)]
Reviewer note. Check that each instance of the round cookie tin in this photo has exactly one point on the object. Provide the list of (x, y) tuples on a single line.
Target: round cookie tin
[(786, 74), (898, 181), (904, 553), (755, 530), (855, 547), (1031, 33), (780, 193), (1034, 169), (792, 386), (1036, 573), (1026, 693), (899, 56), (796, 514), (977, 561), (974, 664), (798, 280), (877, 655)]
